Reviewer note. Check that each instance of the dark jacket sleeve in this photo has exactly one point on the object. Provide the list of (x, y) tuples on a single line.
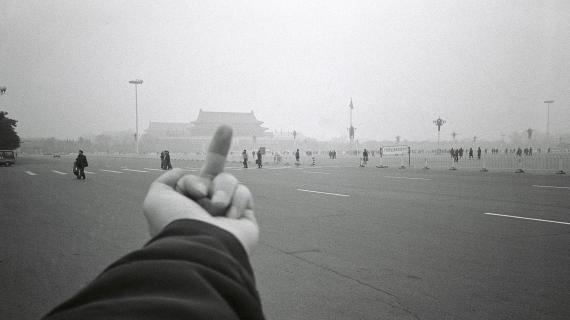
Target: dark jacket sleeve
[(191, 270)]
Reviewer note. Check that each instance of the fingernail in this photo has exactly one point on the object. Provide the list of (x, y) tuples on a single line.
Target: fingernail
[(220, 198)]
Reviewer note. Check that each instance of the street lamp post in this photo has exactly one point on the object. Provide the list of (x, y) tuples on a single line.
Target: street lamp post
[(136, 83), (548, 102), (438, 122)]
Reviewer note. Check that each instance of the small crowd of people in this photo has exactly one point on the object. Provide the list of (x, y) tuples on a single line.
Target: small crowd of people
[(258, 156), (165, 163), (332, 154)]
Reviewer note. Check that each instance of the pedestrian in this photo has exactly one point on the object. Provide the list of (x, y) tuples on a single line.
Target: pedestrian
[(297, 156), (167, 164), (81, 164), (470, 153), (365, 156), (259, 159), (244, 156), (162, 160), (479, 153), (194, 267)]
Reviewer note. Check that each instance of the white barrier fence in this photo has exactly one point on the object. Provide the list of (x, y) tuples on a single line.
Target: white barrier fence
[(539, 162)]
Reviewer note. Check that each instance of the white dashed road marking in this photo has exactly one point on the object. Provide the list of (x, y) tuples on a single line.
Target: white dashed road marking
[(30, 173), (321, 192), (525, 218), (407, 178), (89, 172), (318, 172), (552, 187), (113, 171), (133, 170), (153, 169), (58, 172)]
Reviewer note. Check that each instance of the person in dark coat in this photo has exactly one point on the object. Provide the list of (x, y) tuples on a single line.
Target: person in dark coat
[(196, 266), (81, 164), (162, 160), (244, 156), (167, 164), (297, 156), (479, 153), (365, 156), (259, 159)]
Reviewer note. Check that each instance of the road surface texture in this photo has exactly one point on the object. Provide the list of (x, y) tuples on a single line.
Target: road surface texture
[(337, 241)]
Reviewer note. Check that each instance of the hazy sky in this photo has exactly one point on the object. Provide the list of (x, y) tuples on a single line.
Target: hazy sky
[(484, 66)]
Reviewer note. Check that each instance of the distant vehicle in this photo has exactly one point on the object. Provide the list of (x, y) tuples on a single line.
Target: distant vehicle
[(7, 157), (55, 155)]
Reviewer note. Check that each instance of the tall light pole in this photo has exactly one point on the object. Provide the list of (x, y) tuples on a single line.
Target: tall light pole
[(548, 102), (136, 83), (438, 122), (351, 128)]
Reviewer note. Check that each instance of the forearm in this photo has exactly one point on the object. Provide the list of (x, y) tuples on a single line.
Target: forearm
[(190, 270)]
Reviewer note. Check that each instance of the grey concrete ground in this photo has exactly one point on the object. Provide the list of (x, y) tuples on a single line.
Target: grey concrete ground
[(374, 244)]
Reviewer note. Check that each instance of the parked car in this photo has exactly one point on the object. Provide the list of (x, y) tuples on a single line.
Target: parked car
[(7, 157)]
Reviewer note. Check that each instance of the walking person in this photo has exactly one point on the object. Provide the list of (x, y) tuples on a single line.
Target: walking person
[(470, 153), (81, 164), (297, 157), (162, 160), (479, 153), (259, 159), (167, 164), (365, 156), (244, 156)]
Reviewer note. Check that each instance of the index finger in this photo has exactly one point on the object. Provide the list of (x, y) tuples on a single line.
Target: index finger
[(217, 152)]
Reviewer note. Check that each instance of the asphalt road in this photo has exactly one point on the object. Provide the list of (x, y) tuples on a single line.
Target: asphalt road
[(337, 241)]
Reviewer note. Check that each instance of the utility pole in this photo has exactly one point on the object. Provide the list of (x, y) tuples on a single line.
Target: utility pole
[(351, 129), (548, 102), (136, 83)]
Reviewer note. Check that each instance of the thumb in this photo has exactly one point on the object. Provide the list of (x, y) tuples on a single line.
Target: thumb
[(217, 152)]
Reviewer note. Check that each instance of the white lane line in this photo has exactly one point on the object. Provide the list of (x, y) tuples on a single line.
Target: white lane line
[(89, 172), (58, 172), (407, 178), (553, 187), (153, 169), (278, 168), (113, 171), (189, 168), (321, 192), (30, 173), (133, 170), (525, 218), (317, 172)]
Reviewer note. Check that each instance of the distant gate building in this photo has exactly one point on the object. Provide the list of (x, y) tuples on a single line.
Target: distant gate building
[(194, 136)]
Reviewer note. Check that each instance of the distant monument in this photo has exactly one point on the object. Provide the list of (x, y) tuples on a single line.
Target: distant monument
[(194, 136)]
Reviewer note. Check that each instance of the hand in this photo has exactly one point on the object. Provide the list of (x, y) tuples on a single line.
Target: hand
[(212, 191)]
